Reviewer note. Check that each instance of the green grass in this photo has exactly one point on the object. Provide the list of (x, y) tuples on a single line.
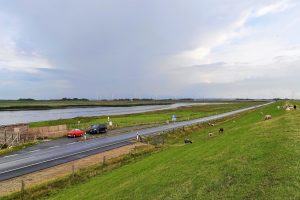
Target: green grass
[(155, 117), (254, 159)]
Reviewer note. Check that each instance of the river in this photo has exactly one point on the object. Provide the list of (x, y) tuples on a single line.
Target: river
[(27, 116)]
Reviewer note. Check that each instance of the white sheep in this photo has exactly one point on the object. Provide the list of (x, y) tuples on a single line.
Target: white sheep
[(267, 117)]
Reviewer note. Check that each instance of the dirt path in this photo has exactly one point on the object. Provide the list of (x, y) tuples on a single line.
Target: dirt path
[(14, 185)]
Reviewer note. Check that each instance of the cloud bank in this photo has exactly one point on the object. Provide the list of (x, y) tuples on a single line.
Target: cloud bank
[(125, 49)]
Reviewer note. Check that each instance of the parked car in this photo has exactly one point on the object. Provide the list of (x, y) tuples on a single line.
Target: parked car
[(97, 128), (75, 133)]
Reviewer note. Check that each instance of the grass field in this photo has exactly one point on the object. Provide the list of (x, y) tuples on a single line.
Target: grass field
[(254, 159), (155, 117)]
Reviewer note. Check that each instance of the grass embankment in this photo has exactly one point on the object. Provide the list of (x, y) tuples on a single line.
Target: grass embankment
[(155, 117), (254, 159)]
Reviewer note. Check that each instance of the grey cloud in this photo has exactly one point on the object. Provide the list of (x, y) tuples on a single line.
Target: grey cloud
[(117, 47)]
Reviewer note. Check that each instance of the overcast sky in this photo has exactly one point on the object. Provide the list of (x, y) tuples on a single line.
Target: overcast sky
[(154, 48)]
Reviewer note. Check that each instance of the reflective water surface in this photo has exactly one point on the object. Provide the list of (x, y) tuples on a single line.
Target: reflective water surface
[(13, 117)]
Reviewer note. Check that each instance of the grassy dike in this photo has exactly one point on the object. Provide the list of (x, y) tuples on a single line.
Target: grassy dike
[(254, 159)]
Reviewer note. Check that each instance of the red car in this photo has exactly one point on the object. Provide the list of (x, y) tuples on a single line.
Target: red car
[(75, 133)]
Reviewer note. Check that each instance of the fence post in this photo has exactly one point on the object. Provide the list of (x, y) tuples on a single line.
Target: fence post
[(5, 137), (73, 169), (104, 159), (22, 189)]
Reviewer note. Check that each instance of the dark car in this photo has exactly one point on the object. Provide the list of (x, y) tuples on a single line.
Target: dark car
[(97, 128)]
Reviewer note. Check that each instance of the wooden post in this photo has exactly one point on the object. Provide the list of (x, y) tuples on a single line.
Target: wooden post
[(104, 159), (5, 137), (73, 169), (22, 189)]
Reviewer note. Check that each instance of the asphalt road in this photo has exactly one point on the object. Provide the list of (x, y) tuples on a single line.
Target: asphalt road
[(24, 162)]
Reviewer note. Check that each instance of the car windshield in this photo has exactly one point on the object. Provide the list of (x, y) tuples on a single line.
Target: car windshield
[(94, 126)]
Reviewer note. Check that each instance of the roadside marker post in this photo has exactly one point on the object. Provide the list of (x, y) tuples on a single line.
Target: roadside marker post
[(22, 189), (104, 159), (73, 169), (174, 118)]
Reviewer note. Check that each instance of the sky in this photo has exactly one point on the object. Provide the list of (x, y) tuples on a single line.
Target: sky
[(101, 49)]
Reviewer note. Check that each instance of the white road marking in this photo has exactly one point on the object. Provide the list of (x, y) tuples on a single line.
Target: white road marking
[(10, 156), (71, 143), (34, 150), (53, 147)]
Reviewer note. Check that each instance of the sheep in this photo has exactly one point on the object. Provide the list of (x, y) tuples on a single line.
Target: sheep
[(210, 124), (188, 141), (267, 117), (295, 107), (210, 135), (221, 130)]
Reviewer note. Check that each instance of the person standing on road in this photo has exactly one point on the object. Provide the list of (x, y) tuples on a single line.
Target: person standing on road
[(137, 137)]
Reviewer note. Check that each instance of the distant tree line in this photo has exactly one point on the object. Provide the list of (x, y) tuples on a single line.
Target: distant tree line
[(73, 99), (26, 99)]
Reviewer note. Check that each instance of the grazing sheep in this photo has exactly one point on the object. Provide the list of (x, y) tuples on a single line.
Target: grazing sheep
[(221, 130), (210, 135), (267, 117), (188, 141)]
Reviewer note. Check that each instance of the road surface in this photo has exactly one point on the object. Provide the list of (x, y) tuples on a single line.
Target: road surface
[(24, 162)]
